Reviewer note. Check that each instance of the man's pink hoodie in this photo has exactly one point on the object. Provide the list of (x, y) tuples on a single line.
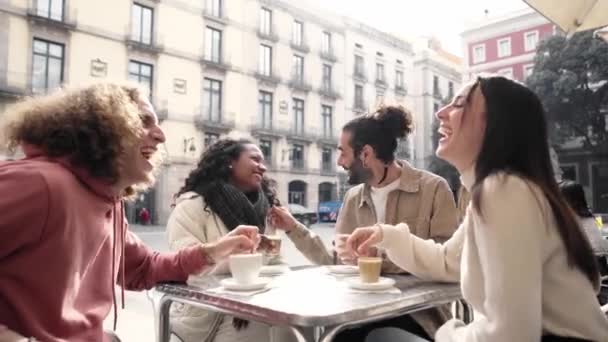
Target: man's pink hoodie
[(64, 244)]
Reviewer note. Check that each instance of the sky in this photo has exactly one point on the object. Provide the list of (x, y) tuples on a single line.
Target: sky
[(445, 19)]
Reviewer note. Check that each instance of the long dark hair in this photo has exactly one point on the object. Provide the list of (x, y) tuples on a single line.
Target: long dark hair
[(214, 166), (380, 130), (575, 195), (516, 142)]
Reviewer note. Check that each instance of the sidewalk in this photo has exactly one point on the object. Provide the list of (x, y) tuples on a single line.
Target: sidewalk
[(149, 228)]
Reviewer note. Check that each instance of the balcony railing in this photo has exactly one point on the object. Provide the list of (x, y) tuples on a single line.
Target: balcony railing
[(153, 47), (297, 164), (64, 20), (300, 46), (219, 63), (381, 83), (220, 17), (268, 35), (267, 78), (267, 129), (301, 135), (328, 56), (329, 92), (437, 93), (297, 82), (360, 106), (401, 89), (359, 75), (327, 139), (222, 124), (328, 169)]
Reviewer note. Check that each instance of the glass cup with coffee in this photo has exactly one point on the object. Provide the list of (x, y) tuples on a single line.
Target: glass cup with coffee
[(369, 269)]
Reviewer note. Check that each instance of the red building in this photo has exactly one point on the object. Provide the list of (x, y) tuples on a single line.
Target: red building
[(505, 45)]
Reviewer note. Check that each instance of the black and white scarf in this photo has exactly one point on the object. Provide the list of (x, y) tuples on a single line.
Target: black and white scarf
[(235, 207)]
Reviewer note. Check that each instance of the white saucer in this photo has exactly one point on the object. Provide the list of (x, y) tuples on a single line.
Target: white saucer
[(342, 269), (231, 284), (382, 284), (270, 270)]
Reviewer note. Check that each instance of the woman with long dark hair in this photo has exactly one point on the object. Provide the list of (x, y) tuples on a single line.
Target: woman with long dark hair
[(226, 189), (522, 259)]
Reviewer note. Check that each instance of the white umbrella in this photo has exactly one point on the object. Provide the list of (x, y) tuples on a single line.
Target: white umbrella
[(603, 33), (573, 15)]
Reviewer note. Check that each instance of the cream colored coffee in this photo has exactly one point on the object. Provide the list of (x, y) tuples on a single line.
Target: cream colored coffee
[(369, 269)]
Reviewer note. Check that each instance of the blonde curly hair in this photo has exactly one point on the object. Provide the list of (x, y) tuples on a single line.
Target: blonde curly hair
[(91, 126)]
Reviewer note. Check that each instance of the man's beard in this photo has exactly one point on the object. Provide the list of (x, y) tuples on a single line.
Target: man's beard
[(357, 173)]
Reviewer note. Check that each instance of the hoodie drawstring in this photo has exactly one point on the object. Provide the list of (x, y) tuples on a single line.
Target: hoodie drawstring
[(122, 260), (113, 280), (123, 233)]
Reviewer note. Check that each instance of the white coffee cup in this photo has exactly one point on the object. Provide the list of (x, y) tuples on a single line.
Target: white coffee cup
[(245, 268)]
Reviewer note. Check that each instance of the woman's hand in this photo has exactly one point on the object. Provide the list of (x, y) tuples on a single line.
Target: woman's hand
[(242, 239), (281, 218), (362, 241)]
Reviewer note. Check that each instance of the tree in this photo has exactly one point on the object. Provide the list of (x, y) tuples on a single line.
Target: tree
[(571, 78)]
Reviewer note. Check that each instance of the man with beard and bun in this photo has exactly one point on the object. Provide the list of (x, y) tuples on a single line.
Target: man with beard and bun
[(387, 191)]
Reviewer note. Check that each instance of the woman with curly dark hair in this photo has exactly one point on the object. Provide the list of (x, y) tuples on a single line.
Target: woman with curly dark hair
[(227, 188), (64, 240)]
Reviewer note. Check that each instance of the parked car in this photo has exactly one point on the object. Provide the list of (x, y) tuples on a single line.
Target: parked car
[(328, 211), (306, 216)]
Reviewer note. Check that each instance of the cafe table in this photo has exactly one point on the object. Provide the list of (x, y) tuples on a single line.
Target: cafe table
[(315, 304)]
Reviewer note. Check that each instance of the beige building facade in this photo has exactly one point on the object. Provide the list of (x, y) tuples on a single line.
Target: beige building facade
[(283, 75)]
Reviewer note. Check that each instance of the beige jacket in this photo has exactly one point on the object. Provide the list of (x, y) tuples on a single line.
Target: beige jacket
[(423, 200), (190, 224)]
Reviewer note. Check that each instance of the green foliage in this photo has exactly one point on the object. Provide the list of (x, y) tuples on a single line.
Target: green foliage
[(571, 78)]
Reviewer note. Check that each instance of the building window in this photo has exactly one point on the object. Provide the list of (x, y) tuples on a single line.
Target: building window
[(141, 73), (504, 47), (265, 60), (265, 109), (326, 118), (213, 100), (530, 40), (47, 67), (52, 9), (298, 115), (141, 24), (213, 45), (479, 53), (297, 156), (326, 42), (266, 21), (326, 77), (507, 72), (298, 33), (297, 192), (210, 139), (359, 96), (358, 65), (450, 89), (214, 7), (528, 69), (326, 159), (298, 68), (380, 72), (436, 90), (399, 79), (266, 148)]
